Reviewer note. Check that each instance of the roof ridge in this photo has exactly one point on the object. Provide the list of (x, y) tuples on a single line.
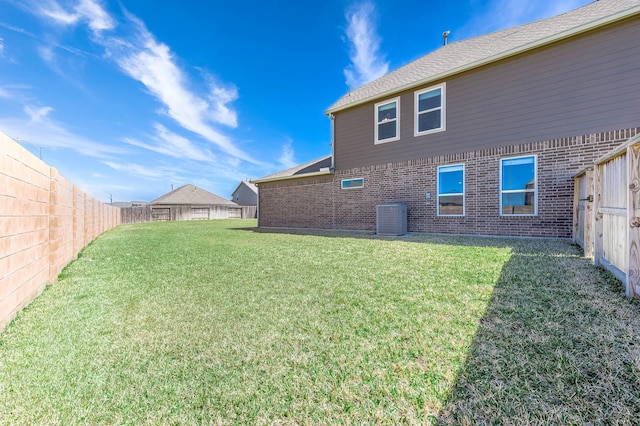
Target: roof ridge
[(311, 167), (479, 50), (190, 194)]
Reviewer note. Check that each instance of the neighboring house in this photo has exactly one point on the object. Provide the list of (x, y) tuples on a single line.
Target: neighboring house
[(481, 136), (245, 194), (190, 203), (127, 204)]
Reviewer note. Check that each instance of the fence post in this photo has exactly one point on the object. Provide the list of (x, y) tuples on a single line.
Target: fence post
[(597, 216), (633, 220), (54, 224), (589, 217), (576, 210)]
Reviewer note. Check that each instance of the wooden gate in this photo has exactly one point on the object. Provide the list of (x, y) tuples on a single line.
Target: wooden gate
[(614, 223), (583, 211), (611, 214), (159, 214), (199, 213)]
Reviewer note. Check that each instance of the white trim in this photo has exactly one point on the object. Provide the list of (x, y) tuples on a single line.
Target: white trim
[(323, 173), (464, 207), (518, 191), (619, 16), (442, 108), (355, 187), (377, 123)]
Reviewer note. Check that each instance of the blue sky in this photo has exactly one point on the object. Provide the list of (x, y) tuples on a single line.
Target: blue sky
[(127, 98)]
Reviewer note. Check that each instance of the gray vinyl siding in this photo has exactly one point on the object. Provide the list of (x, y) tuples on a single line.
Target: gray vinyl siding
[(245, 196), (587, 84)]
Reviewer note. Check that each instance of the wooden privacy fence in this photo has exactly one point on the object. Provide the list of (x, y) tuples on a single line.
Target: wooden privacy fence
[(158, 213), (607, 213)]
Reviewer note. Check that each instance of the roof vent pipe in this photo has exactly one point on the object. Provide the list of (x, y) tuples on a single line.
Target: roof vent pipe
[(445, 35)]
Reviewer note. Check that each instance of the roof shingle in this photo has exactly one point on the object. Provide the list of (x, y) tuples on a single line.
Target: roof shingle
[(191, 195), (467, 54), (312, 167)]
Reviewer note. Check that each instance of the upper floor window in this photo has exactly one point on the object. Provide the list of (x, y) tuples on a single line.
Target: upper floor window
[(387, 123), (518, 186), (451, 190), (430, 110)]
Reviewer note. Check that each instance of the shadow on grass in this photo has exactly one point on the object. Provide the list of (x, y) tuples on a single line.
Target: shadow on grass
[(312, 232), (559, 344)]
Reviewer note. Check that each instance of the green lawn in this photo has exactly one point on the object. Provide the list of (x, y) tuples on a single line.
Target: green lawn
[(214, 322)]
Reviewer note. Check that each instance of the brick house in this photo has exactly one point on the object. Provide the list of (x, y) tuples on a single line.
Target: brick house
[(481, 136)]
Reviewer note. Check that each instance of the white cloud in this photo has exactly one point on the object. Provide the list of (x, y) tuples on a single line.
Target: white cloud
[(143, 58), (52, 10), (152, 63), (41, 130), (46, 54), (85, 10), (367, 63), (99, 20), (1, 46), (287, 159), (11, 91), (37, 114), (220, 112), (16, 29), (168, 143), (155, 173), (174, 174), (500, 14)]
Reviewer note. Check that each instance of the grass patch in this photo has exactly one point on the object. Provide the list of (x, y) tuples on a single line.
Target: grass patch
[(559, 344), (213, 322)]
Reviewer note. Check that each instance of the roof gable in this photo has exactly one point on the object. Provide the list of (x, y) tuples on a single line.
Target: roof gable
[(247, 184), (315, 167), (464, 55), (191, 194)]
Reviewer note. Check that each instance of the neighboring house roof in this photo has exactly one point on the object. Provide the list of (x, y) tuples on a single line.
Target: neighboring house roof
[(246, 183), (192, 195), (474, 52), (124, 204), (317, 167)]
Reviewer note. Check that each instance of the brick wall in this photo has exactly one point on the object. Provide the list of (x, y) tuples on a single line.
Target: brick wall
[(320, 202), (45, 221)]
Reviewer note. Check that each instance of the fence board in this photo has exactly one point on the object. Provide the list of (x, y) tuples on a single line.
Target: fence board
[(633, 261), (249, 212), (589, 216), (616, 219), (156, 213)]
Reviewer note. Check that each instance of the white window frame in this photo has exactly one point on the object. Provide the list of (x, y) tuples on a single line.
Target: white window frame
[(442, 108), (515, 191), (353, 187), (464, 207), (397, 120)]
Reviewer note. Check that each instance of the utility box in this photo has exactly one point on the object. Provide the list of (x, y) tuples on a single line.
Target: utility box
[(391, 219)]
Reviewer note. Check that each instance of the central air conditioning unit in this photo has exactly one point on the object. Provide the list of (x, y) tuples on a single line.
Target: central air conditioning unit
[(391, 219)]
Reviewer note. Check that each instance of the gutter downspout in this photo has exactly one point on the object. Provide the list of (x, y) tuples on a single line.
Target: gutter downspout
[(258, 205), (333, 142)]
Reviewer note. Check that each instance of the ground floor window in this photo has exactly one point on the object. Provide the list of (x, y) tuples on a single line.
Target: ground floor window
[(451, 190), (352, 183), (518, 186)]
